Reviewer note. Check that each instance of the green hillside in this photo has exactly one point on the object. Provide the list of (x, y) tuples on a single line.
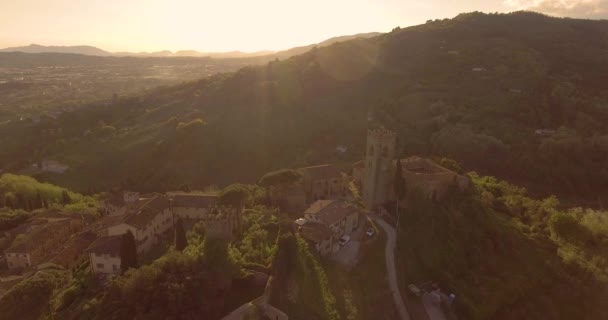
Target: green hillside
[(474, 88)]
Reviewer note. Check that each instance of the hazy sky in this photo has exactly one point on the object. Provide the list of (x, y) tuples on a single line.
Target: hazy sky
[(246, 25)]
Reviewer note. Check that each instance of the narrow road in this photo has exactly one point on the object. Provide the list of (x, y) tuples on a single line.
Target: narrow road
[(391, 244)]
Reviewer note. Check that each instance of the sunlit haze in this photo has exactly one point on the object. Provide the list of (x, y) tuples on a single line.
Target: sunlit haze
[(138, 25)]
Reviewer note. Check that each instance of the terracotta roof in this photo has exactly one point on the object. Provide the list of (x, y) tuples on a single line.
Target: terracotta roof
[(36, 238), (159, 202), (144, 215), (421, 165), (141, 218), (106, 245), (326, 171), (74, 248), (194, 200), (331, 211), (315, 232), (359, 164)]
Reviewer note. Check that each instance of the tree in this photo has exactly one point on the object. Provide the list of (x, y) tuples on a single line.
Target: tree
[(280, 177), (180, 236), (20, 203), (399, 188), (39, 203), (234, 195), (128, 252), (65, 197), (8, 202)]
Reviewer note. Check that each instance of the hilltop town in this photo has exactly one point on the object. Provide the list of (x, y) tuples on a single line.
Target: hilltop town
[(330, 207)]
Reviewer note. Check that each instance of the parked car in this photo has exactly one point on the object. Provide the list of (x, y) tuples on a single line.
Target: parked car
[(415, 290), (370, 232), (344, 240)]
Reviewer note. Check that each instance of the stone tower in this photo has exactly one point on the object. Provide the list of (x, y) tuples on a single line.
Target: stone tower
[(378, 174)]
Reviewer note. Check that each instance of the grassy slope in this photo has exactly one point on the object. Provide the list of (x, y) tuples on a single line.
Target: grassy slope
[(498, 267)]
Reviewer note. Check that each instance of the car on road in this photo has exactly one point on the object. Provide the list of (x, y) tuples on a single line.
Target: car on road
[(344, 240), (370, 232)]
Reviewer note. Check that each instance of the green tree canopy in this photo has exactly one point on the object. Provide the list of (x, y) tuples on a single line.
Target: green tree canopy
[(128, 252), (280, 177), (235, 195), (180, 235)]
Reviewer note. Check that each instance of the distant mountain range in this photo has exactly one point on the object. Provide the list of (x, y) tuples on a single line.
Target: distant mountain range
[(94, 51), (36, 48)]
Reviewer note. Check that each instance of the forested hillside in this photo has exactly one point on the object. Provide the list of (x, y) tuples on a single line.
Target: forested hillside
[(474, 88)]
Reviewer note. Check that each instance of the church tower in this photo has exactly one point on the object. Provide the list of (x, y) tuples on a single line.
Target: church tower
[(378, 174)]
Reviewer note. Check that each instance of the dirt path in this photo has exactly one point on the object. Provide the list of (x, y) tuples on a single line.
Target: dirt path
[(391, 243)]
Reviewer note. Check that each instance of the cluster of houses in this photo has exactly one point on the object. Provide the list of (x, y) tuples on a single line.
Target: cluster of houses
[(65, 240), (324, 197), (44, 237), (330, 213), (150, 217)]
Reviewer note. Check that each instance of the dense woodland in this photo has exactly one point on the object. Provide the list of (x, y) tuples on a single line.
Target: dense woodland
[(537, 72)]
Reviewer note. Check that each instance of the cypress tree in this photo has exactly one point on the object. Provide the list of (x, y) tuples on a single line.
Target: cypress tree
[(8, 202), (180, 236), (399, 188), (20, 202), (128, 252), (39, 203), (65, 197)]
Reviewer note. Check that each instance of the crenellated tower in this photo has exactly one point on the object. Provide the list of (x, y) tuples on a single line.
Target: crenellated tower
[(378, 174)]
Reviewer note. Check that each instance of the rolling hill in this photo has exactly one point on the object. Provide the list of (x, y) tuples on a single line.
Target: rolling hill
[(475, 88), (36, 48), (93, 51)]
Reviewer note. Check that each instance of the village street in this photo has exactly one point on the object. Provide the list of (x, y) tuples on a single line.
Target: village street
[(391, 241)]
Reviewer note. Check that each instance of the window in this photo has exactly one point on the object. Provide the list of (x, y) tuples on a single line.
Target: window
[(385, 151), (99, 266), (114, 268), (371, 151)]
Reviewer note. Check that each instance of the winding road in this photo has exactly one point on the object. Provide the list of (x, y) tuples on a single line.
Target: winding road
[(391, 243)]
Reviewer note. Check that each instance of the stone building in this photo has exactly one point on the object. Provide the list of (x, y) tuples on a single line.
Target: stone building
[(327, 221), (288, 198), (121, 203), (148, 224), (376, 173), (41, 243), (323, 182), (104, 255), (155, 217), (192, 206)]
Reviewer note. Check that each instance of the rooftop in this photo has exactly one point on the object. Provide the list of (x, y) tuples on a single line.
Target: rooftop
[(106, 245), (74, 247), (331, 211), (315, 232), (144, 215), (37, 237), (421, 165), (321, 172), (194, 200)]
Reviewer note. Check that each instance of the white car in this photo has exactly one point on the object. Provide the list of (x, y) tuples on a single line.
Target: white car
[(370, 232), (344, 240)]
